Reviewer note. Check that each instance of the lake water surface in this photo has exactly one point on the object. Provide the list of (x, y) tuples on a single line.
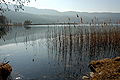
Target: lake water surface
[(56, 52)]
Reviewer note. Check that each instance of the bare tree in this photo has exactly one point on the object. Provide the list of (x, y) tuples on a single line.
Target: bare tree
[(17, 4)]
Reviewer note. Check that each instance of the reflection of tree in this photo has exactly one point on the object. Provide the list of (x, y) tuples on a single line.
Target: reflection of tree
[(75, 46), (3, 26), (3, 31)]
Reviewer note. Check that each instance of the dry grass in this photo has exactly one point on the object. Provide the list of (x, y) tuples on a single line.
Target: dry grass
[(106, 69)]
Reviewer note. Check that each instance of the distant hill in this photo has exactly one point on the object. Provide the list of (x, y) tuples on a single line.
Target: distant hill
[(53, 16), (33, 10)]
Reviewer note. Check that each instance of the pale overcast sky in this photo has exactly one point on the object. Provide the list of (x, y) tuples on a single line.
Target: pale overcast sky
[(78, 5)]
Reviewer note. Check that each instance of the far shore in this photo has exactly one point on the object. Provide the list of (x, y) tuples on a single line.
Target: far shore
[(58, 24), (40, 24)]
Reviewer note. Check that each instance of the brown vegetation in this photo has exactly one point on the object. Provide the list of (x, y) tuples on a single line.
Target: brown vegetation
[(5, 70), (105, 69)]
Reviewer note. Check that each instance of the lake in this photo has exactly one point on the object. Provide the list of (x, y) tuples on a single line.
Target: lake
[(56, 52)]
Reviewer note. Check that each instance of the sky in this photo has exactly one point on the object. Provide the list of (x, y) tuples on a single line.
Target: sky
[(78, 5)]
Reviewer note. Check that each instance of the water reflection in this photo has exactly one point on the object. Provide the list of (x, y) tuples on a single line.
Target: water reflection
[(57, 52)]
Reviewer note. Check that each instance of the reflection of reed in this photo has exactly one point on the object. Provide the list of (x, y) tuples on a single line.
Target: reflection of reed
[(76, 46)]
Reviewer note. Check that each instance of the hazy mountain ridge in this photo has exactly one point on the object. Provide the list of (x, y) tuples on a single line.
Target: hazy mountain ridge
[(53, 16)]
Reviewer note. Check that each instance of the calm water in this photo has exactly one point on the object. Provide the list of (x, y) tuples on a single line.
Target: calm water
[(56, 52)]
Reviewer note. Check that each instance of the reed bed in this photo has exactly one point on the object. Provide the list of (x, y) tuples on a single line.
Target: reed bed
[(74, 46)]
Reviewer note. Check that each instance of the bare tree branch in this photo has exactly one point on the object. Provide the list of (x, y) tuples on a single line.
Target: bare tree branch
[(17, 4)]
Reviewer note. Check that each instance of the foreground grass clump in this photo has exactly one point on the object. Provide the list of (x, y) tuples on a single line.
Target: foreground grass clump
[(5, 70), (105, 69)]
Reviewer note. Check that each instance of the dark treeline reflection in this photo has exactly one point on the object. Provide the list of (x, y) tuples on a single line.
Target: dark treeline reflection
[(4, 30), (74, 46)]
